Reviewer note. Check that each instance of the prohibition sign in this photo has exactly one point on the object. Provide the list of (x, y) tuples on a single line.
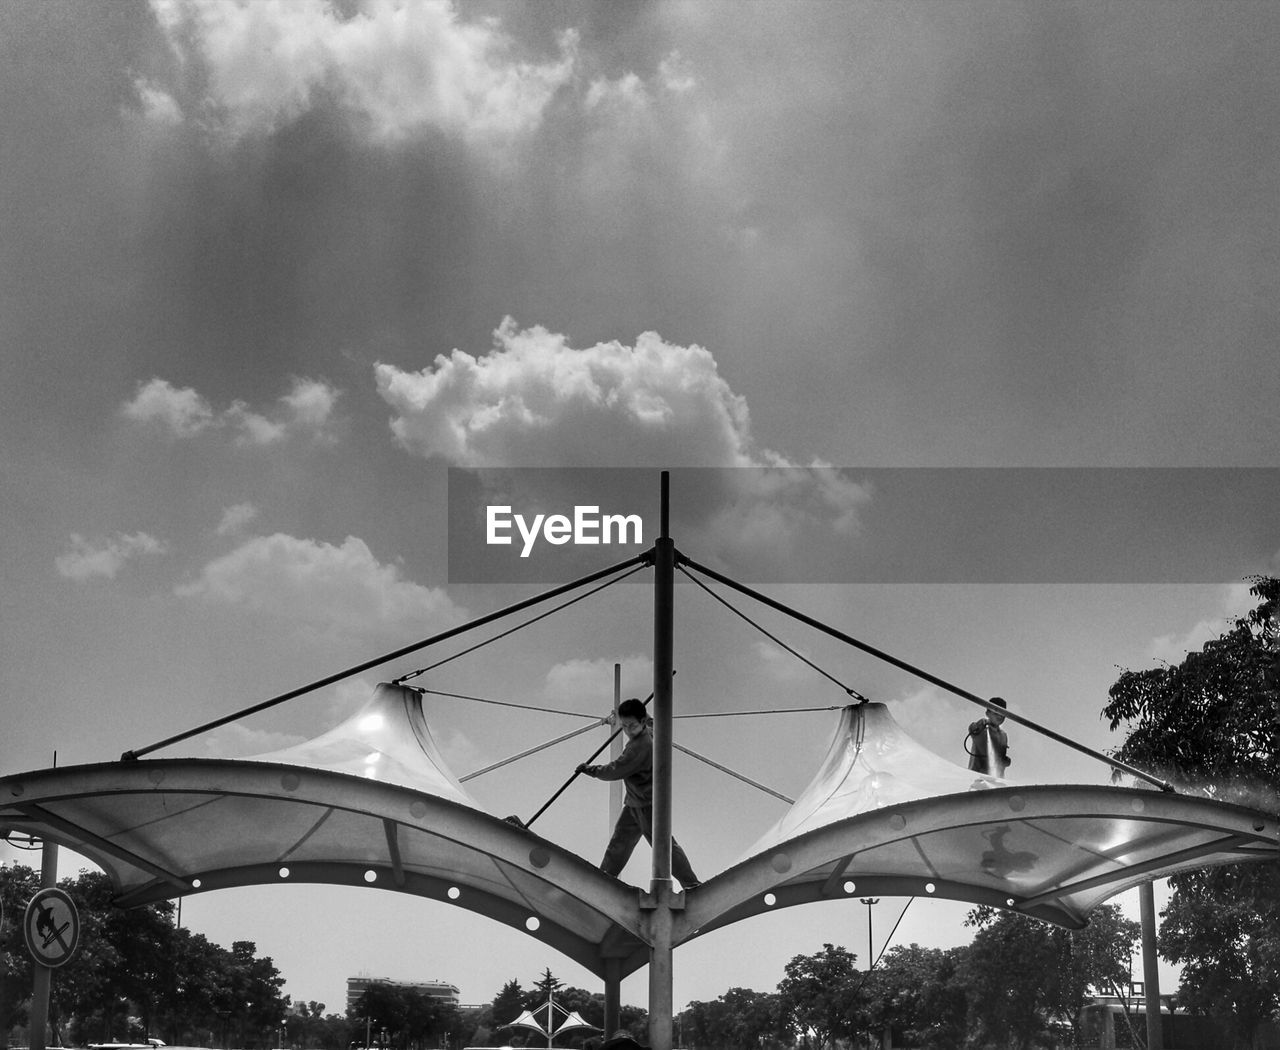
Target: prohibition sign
[(52, 927)]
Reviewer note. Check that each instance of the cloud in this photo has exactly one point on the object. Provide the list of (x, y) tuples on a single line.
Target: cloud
[(236, 740), (589, 683), (182, 411), (395, 66), (305, 410), (937, 720), (104, 557), (535, 401), (156, 104), (1235, 601), (236, 518), (326, 590), (780, 665)]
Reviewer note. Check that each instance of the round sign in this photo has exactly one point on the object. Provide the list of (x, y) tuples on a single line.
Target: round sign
[(51, 927)]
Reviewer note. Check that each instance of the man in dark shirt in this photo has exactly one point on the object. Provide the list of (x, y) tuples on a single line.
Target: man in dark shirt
[(634, 767), (988, 744)]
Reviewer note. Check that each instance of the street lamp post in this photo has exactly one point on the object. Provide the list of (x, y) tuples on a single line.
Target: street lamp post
[(871, 951), (868, 901)]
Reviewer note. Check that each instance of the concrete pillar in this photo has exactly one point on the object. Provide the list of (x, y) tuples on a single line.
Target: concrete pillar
[(612, 996)]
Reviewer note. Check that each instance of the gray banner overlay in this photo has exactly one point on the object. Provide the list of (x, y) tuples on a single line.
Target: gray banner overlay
[(873, 525)]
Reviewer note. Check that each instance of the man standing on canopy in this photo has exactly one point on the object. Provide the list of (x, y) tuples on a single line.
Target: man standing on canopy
[(634, 767), (988, 744)]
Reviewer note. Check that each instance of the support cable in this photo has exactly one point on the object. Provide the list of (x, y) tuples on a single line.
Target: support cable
[(774, 638), (534, 750), (1113, 763), (733, 773), (639, 559), (769, 711), (512, 630), (884, 947), (507, 703)]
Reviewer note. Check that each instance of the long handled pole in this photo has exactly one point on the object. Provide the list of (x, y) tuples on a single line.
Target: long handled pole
[(574, 776)]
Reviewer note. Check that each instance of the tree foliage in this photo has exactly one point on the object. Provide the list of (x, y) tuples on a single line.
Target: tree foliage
[(402, 1018), (508, 1003), (920, 994), (136, 975), (1024, 978), (820, 997), (737, 1020), (1212, 724)]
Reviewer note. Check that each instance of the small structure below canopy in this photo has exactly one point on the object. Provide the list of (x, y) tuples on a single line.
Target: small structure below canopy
[(550, 1020)]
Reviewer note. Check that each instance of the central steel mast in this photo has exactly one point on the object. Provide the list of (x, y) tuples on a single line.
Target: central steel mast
[(660, 895)]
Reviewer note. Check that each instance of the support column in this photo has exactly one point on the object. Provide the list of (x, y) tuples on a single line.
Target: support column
[(612, 996), (660, 973), (1150, 966), (42, 976)]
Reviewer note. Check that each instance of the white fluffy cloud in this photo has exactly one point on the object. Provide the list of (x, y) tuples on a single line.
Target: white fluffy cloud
[(324, 589), (396, 65), (104, 557), (536, 401), (183, 412), (306, 409)]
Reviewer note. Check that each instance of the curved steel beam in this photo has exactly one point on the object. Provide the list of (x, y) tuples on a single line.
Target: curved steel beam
[(170, 827), (162, 828), (1155, 834)]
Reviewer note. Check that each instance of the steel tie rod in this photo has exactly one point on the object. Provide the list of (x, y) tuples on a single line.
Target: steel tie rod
[(555, 592), (1115, 763)]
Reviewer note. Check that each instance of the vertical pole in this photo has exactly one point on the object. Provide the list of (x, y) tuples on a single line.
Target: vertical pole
[(660, 973), (42, 976), (871, 944), (1150, 966), (616, 787), (613, 967)]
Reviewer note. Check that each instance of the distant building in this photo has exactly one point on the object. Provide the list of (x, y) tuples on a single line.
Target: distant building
[(356, 987)]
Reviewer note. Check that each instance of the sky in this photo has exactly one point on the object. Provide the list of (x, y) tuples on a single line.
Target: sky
[(270, 271)]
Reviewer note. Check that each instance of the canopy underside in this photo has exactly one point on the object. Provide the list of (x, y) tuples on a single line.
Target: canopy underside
[(371, 803)]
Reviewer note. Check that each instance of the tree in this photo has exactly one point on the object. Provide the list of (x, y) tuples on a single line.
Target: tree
[(1094, 957), (918, 992), (1210, 724), (1004, 976), (508, 1003), (740, 1018), (17, 886), (136, 974), (1025, 976), (819, 998)]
